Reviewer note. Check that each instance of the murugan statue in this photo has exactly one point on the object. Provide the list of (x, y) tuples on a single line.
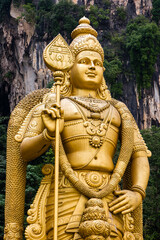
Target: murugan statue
[(91, 203)]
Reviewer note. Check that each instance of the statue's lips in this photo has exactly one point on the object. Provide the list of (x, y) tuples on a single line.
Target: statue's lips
[(90, 74)]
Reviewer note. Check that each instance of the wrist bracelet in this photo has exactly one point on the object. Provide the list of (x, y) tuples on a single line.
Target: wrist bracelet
[(139, 189), (46, 136)]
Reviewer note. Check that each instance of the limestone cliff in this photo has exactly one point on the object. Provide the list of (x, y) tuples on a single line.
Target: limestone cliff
[(135, 6), (23, 70)]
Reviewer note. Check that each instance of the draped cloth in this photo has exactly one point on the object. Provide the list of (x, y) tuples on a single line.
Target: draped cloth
[(71, 205)]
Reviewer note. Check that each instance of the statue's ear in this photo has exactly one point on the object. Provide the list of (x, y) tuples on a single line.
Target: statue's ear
[(103, 91)]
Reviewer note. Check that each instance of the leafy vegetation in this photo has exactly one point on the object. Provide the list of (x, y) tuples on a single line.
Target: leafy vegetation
[(156, 11), (34, 176), (54, 18), (152, 200), (113, 70), (121, 14), (4, 9), (29, 13), (143, 45), (99, 16)]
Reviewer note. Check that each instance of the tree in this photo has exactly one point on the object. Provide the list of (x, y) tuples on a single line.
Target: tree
[(152, 200), (156, 11), (143, 45)]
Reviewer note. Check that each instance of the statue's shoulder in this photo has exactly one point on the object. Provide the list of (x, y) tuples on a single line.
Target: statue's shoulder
[(118, 104), (121, 108), (66, 101), (71, 112)]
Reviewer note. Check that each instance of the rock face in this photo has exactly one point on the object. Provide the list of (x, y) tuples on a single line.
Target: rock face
[(23, 68), (21, 60), (139, 6)]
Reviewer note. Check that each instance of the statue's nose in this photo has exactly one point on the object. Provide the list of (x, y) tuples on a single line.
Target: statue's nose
[(92, 66)]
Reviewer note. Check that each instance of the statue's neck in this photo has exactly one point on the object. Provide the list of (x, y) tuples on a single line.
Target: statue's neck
[(84, 92)]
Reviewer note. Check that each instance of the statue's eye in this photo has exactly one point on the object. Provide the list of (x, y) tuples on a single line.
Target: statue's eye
[(83, 61), (97, 63)]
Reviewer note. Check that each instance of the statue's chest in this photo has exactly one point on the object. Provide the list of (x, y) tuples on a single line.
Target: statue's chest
[(85, 108), (91, 121), (95, 113)]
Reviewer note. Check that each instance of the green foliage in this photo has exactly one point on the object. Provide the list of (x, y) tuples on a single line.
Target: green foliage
[(121, 14), (156, 11), (114, 64), (106, 3), (152, 200), (17, 3), (143, 45), (34, 177), (45, 5), (50, 84), (118, 46), (4, 9), (111, 74), (151, 204), (99, 17), (61, 17), (48, 156), (29, 13)]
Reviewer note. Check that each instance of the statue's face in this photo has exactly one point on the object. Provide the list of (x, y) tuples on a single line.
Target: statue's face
[(87, 71)]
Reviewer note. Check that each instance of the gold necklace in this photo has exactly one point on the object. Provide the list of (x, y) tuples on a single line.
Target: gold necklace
[(97, 130), (91, 104)]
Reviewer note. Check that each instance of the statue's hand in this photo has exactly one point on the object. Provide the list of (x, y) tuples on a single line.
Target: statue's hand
[(50, 115), (126, 202)]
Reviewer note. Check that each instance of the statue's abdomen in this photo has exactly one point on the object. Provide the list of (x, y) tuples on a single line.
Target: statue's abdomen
[(81, 151)]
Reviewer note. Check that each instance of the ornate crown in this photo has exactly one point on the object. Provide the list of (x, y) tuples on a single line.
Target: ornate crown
[(85, 38)]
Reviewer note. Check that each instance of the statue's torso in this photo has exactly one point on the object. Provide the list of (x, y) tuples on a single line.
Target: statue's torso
[(79, 140)]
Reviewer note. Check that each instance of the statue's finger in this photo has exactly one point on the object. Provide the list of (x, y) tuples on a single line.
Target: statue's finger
[(62, 112), (45, 111), (56, 113), (127, 211), (118, 205), (56, 105), (119, 199), (53, 114), (121, 209), (120, 192)]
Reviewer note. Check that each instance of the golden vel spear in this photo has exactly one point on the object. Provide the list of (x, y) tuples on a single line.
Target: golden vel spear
[(59, 59)]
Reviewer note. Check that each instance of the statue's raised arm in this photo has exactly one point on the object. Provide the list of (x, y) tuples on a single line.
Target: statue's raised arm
[(91, 203)]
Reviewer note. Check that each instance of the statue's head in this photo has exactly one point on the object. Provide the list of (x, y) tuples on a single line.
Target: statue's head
[(87, 71)]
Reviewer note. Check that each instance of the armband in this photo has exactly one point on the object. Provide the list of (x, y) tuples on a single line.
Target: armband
[(139, 189), (46, 136)]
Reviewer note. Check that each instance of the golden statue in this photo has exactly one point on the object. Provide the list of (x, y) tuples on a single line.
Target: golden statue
[(83, 123)]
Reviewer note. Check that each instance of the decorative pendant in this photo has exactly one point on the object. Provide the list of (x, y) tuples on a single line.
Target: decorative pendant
[(97, 132), (96, 141)]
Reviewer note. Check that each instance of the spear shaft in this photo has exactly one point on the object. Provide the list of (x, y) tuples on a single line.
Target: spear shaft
[(58, 76), (59, 59)]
